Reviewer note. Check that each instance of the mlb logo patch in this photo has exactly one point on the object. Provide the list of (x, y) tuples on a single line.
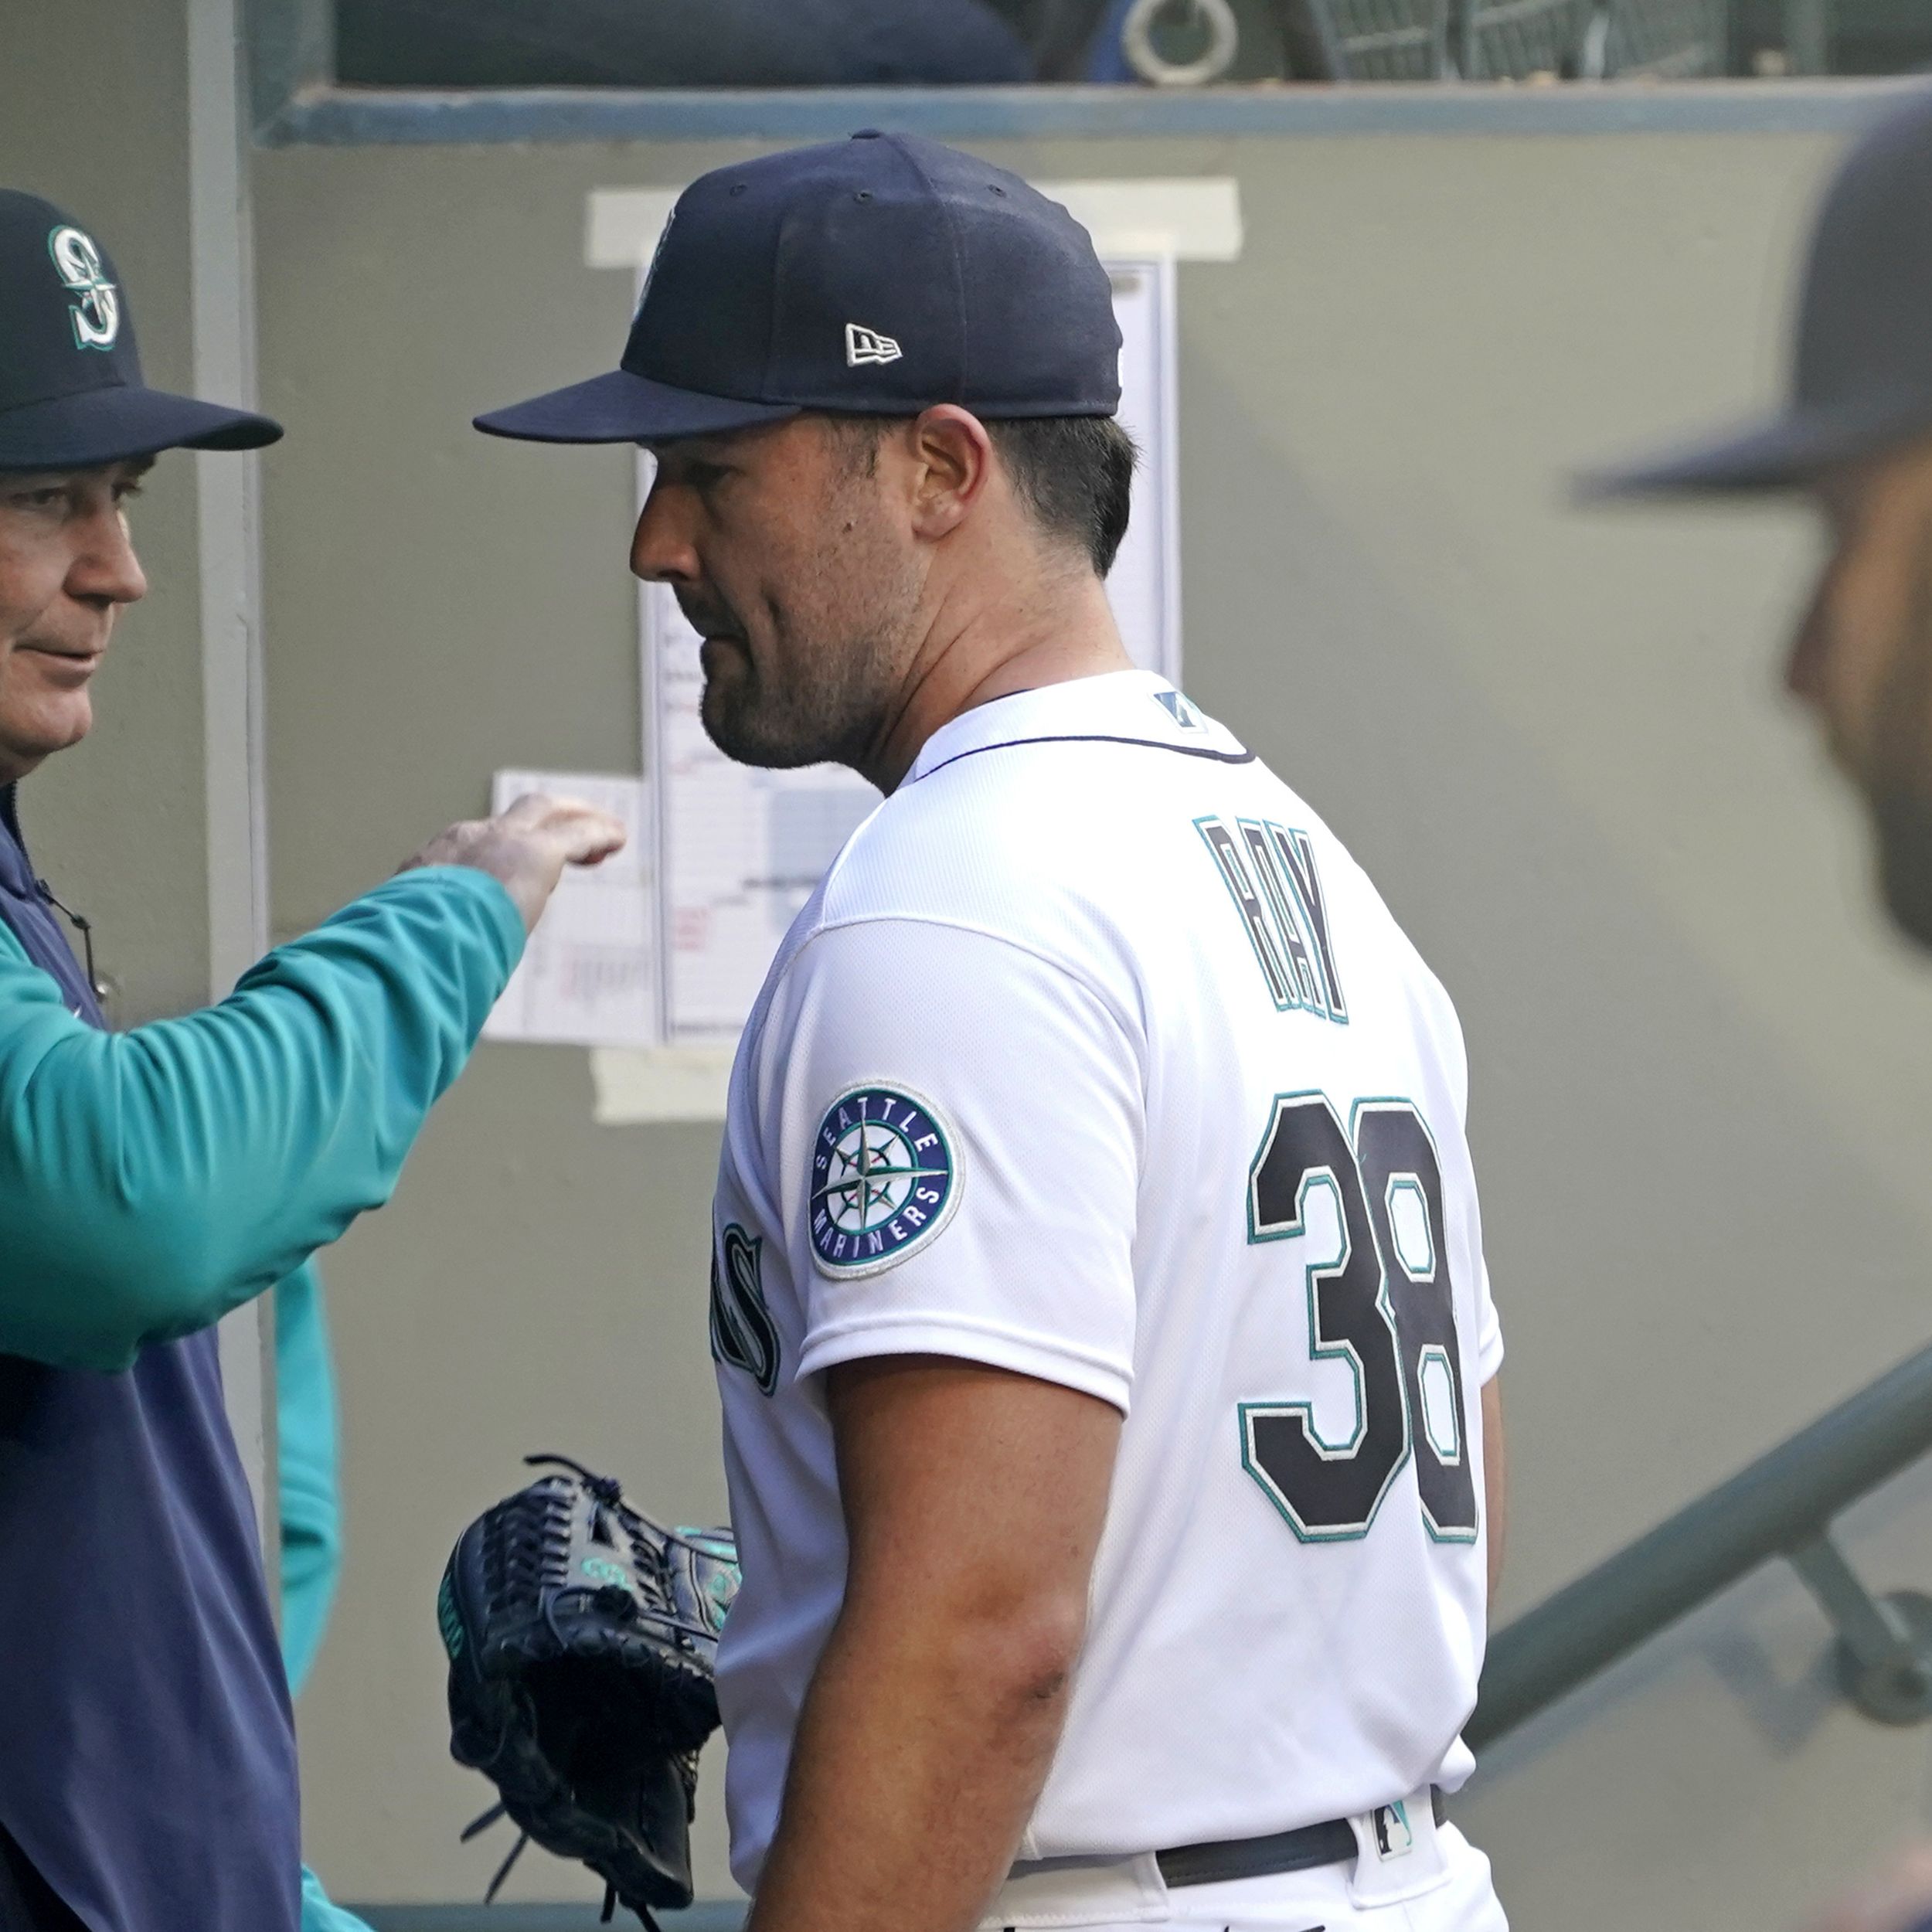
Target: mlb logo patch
[(1395, 1838), (1179, 709)]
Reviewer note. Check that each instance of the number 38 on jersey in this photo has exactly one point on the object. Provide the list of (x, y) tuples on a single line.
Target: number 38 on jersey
[(1379, 1303)]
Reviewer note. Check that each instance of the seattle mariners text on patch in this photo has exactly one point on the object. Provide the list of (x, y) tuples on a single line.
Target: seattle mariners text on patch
[(884, 1179)]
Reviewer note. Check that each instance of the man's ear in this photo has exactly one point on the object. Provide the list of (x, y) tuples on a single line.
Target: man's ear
[(953, 461)]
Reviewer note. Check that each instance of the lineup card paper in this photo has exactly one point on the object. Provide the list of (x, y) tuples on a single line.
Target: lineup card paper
[(589, 977), (1144, 586), (739, 850)]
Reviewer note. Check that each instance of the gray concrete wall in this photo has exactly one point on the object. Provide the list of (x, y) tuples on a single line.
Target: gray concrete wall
[(1701, 1069), (93, 115)]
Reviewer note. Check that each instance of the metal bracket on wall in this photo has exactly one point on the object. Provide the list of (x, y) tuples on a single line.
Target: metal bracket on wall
[(1884, 1654)]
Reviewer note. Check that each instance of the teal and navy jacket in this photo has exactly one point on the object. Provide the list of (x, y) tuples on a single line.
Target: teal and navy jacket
[(151, 1181)]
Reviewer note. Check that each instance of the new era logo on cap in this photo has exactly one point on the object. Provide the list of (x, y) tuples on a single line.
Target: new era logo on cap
[(868, 345)]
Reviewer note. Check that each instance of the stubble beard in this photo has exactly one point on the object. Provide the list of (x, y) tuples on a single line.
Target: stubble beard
[(825, 692), (1899, 788), (829, 718), (1904, 825)]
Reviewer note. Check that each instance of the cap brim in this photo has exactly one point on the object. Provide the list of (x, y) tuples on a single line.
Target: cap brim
[(622, 408), (1783, 453), (111, 424)]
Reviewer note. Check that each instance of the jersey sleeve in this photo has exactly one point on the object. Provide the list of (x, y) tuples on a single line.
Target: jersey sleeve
[(1488, 1329), (962, 1139)]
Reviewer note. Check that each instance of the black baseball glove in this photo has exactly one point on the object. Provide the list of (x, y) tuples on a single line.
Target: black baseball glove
[(582, 1638)]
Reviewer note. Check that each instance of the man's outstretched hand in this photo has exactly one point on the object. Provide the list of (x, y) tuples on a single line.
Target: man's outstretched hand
[(527, 847)]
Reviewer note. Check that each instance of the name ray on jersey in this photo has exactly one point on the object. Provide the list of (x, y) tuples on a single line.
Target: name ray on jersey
[(1286, 916)]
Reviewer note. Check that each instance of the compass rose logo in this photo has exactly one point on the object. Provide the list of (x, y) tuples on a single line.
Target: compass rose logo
[(884, 1180)]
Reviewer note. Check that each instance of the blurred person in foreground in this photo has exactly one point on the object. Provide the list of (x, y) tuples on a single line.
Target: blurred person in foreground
[(1856, 436), (152, 1180)]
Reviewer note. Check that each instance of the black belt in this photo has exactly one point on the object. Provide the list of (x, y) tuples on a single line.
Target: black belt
[(1327, 1843)]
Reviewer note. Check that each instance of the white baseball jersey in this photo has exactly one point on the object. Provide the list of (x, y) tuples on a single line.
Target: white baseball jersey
[(1096, 1057)]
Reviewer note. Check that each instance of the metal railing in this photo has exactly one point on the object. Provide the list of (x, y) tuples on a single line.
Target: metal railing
[(1781, 1506)]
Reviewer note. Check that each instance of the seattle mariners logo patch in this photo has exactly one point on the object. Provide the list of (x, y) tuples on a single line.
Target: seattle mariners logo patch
[(96, 315), (885, 1180)]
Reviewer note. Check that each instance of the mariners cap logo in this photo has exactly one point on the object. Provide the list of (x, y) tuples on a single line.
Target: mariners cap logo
[(885, 1180), (96, 315), (868, 345)]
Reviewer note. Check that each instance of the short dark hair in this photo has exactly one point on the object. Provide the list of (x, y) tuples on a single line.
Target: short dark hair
[(1074, 474)]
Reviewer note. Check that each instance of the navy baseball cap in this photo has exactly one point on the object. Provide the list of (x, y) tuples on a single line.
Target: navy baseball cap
[(875, 275), (1861, 376), (71, 395)]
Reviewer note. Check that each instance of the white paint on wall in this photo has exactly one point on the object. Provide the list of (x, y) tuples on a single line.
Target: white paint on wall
[(222, 293), (638, 1085)]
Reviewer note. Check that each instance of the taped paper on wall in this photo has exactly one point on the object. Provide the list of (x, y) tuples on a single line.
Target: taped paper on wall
[(739, 850), (589, 977), (1144, 586)]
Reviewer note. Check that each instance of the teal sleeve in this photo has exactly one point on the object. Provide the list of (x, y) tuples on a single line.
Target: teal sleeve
[(305, 1463), (311, 1547), (320, 1912), (152, 1180)]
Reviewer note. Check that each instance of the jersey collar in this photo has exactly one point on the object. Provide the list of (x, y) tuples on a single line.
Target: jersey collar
[(1137, 707)]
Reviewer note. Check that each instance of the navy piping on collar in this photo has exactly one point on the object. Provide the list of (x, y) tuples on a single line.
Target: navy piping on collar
[(1094, 738)]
